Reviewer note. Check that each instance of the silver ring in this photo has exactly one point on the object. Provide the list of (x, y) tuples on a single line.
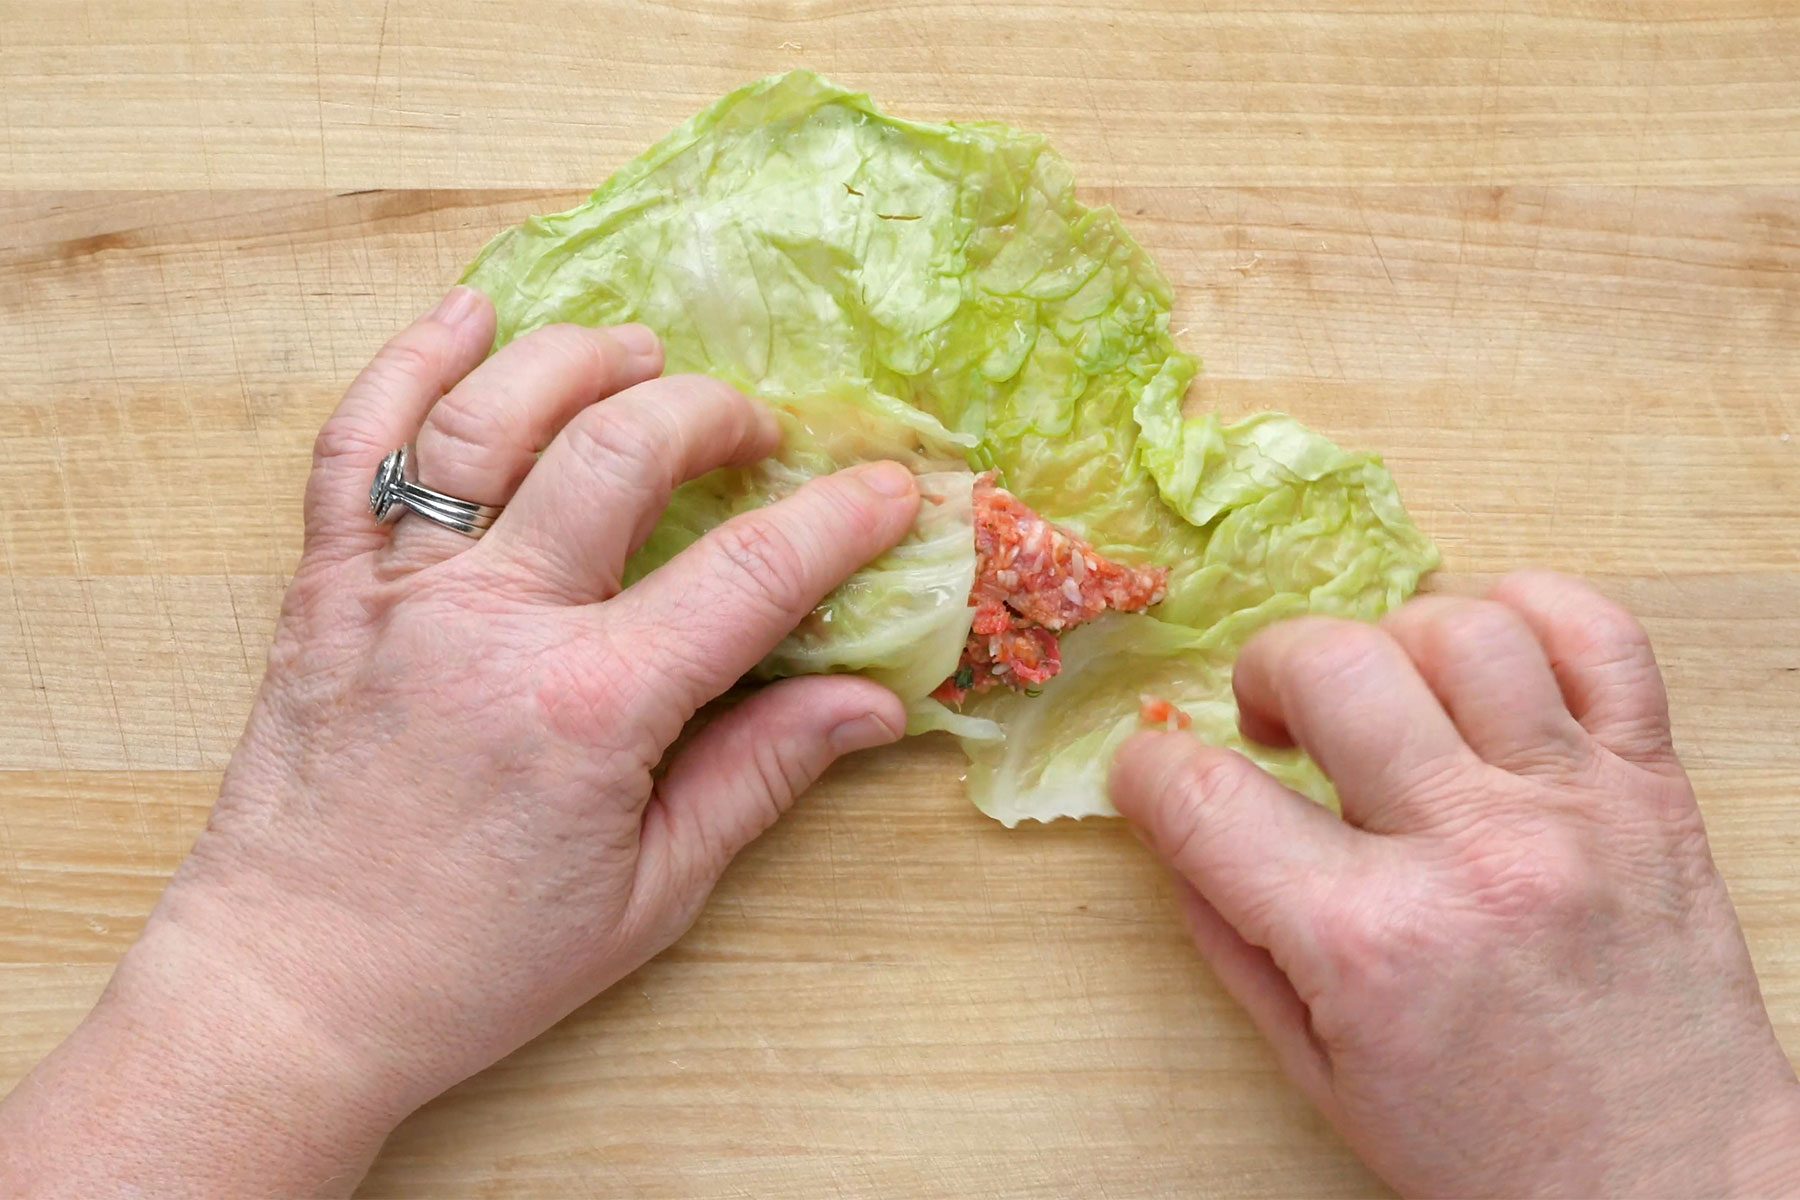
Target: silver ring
[(396, 490)]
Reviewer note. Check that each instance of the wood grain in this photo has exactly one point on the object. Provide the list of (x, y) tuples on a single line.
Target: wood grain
[(411, 94), (1541, 256)]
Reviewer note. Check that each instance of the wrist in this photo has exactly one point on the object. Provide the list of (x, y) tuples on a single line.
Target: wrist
[(359, 984), (191, 1073)]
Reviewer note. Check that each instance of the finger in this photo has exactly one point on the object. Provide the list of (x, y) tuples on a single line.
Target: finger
[(737, 776), (1489, 670), (606, 479), (717, 608), (1348, 694), (1250, 976), (1262, 855), (482, 438), (1264, 731), (382, 409), (1602, 660)]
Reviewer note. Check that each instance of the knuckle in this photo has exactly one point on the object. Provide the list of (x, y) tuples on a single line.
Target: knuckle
[(1590, 626), (344, 436), (1209, 774), (1609, 634), (1523, 585), (1183, 815), (1639, 726), (1547, 751), (462, 428), (1439, 778), (1203, 809), (581, 346), (1541, 881), (395, 377), (782, 771), (759, 561), (1647, 742), (1200, 842), (1477, 624), (848, 509), (1672, 802), (1338, 653), (629, 450), (704, 391), (1368, 951), (408, 359), (700, 402)]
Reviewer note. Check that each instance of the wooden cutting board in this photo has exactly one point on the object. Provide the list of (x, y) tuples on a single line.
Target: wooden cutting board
[(1541, 255)]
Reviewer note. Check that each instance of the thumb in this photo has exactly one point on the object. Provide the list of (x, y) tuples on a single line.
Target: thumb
[(738, 775), (1257, 861), (1260, 854)]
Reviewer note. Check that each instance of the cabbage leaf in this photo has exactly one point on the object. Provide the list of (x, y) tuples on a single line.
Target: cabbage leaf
[(937, 294)]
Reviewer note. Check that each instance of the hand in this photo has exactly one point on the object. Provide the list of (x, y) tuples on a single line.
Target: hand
[(1512, 968), (442, 830)]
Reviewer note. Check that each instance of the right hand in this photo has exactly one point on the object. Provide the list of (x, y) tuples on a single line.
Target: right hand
[(1512, 969)]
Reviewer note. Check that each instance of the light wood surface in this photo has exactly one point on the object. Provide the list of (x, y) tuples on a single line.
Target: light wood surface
[(1544, 256)]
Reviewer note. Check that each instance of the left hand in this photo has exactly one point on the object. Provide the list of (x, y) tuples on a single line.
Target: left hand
[(442, 830)]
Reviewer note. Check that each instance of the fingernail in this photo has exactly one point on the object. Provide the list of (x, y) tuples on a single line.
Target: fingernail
[(456, 307), (890, 479), (861, 733), (638, 340)]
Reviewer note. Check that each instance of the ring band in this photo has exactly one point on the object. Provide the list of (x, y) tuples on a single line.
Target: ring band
[(395, 491)]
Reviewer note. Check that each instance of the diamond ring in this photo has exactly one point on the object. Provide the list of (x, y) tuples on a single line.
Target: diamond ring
[(396, 489)]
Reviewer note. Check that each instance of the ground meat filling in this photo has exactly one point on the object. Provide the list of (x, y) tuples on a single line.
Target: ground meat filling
[(1034, 581)]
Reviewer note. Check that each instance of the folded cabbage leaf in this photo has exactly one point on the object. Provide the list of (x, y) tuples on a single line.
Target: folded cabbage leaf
[(903, 619), (937, 294)]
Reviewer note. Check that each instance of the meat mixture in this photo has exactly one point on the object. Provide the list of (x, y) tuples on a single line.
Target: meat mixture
[(1034, 582), (1157, 713)]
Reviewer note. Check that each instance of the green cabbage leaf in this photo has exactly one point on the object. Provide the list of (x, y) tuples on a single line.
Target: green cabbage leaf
[(903, 619), (937, 294)]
